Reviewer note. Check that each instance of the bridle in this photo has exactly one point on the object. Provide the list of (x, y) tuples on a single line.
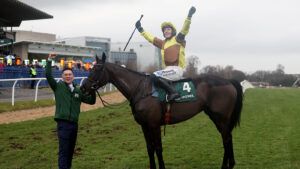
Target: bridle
[(95, 83), (95, 86)]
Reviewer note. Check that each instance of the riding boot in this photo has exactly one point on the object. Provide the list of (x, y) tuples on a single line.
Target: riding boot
[(161, 82)]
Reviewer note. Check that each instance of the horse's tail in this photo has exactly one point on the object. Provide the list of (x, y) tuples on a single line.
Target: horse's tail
[(236, 114)]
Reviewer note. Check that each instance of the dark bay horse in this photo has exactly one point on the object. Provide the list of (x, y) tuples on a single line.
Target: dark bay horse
[(220, 99)]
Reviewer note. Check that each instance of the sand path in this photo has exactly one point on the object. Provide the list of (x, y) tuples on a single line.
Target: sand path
[(31, 114)]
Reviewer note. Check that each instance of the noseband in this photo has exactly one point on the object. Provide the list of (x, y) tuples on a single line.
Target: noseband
[(95, 83)]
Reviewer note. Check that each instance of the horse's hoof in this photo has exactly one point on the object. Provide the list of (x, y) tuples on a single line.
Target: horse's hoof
[(224, 167)]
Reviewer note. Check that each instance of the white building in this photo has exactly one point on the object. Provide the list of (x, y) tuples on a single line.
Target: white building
[(40, 50), (33, 36), (147, 54), (88, 41), (30, 45)]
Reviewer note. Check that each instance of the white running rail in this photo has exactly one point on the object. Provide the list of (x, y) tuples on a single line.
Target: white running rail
[(37, 86)]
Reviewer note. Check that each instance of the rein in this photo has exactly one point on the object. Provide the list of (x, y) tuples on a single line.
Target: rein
[(108, 105), (95, 87), (131, 100)]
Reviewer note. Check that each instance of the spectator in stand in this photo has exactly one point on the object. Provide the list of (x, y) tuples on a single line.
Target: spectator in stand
[(78, 64), (2, 65), (33, 74), (9, 60)]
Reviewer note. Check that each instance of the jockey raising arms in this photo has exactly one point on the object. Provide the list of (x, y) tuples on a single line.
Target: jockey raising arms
[(172, 51)]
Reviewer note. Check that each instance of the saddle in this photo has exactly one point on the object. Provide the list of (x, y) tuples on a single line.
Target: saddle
[(185, 88)]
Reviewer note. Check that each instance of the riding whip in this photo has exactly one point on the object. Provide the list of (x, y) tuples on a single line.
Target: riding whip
[(132, 34)]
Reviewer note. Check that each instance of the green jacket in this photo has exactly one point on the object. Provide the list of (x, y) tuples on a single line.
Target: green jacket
[(67, 102)]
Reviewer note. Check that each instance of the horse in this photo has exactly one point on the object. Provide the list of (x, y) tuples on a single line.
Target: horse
[(219, 98)]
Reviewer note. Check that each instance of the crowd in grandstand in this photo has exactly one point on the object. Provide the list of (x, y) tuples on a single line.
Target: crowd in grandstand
[(15, 61)]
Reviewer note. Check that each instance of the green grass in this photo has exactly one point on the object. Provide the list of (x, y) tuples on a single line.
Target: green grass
[(21, 105), (269, 138)]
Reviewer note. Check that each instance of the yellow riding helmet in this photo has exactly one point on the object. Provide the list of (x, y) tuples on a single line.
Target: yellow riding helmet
[(168, 24)]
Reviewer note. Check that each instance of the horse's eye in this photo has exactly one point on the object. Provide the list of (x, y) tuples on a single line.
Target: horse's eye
[(94, 86)]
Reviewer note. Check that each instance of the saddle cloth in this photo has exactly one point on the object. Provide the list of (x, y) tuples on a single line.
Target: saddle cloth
[(185, 88)]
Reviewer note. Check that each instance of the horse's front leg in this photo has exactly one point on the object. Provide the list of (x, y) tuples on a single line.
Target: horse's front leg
[(158, 146), (150, 146)]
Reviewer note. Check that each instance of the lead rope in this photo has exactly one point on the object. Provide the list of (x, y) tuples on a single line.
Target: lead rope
[(112, 106)]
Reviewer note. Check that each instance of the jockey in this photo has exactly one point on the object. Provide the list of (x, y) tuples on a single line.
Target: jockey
[(172, 52)]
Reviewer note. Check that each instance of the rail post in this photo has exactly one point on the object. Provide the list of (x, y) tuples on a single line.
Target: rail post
[(13, 93), (36, 90)]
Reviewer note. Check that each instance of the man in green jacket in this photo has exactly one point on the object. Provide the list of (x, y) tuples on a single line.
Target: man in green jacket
[(68, 98)]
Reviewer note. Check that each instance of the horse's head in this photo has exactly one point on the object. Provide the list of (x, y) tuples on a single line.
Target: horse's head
[(97, 77)]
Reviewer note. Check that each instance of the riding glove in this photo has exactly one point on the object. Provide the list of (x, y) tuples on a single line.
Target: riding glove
[(191, 12), (139, 27)]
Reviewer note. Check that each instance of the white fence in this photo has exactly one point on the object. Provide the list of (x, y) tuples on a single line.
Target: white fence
[(110, 86)]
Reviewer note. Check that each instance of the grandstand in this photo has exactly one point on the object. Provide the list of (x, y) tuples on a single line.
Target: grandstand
[(22, 48)]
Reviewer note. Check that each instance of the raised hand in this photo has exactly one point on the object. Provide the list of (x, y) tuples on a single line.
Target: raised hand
[(191, 11), (139, 26), (52, 56)]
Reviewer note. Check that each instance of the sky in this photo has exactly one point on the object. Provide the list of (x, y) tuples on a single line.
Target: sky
[(247, 34)]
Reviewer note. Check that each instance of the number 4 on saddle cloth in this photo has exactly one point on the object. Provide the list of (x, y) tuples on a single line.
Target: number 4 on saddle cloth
[(184, 87)]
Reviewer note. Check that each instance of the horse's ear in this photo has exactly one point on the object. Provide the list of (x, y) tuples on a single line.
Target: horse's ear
[(97, 59), (103, 57)]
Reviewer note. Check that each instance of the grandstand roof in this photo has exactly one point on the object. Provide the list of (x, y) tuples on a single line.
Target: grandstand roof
[(49, 43), (13, 12)]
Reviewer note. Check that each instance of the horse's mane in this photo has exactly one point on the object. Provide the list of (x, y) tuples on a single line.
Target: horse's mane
[(125, 69)]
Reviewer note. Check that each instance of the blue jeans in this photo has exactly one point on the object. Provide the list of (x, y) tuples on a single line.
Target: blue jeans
[(67, 135)]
